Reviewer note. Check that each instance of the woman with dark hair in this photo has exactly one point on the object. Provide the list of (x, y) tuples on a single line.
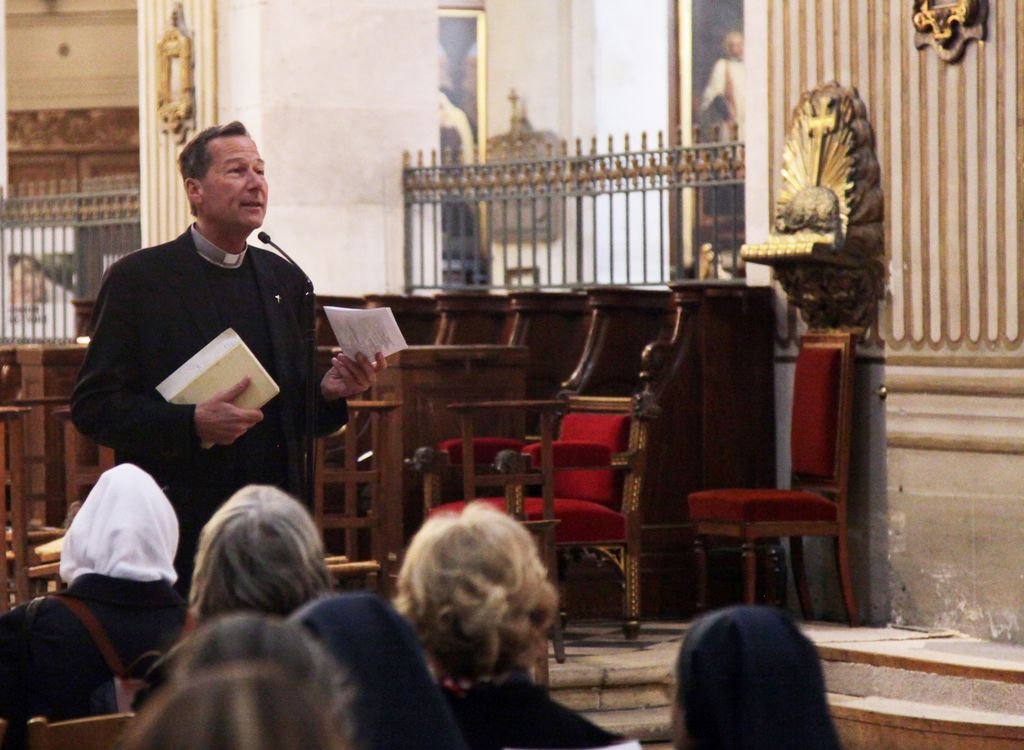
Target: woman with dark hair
[(748, 679), (396, 702), (118, 559)]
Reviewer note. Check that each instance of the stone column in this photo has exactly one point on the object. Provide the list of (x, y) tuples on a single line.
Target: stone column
[(164, 209), (333, 94), (3, 94)]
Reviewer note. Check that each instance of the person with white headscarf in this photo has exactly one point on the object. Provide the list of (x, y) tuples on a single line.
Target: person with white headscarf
[(118, 560)]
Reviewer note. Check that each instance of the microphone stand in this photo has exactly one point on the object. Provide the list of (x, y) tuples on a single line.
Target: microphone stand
[(308, 322)]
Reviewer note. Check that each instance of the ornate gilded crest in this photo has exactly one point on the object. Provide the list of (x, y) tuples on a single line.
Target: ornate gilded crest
[(950, 25), (826, 245), (175, 96)]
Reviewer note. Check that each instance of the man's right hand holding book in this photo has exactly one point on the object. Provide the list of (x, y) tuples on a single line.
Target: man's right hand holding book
[(219, 422)]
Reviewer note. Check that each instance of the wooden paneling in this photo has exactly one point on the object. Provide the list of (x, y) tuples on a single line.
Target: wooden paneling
[(425, 379), (714, 384), (471, 318), (553, 326)]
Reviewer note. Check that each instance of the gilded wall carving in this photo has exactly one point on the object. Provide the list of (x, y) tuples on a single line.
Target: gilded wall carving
[(73, 130), (949, 26), (827, 243), (948, 141)]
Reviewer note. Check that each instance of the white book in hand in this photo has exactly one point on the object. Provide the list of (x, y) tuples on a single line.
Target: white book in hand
[(216, 367), (367, 331)]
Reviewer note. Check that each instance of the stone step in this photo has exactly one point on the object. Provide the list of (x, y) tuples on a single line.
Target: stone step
[(871, 722), (936, 669), (644, 724), (628, 695), (889, 687)]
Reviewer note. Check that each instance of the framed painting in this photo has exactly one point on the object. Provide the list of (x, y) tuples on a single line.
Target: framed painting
[(462, 52), (706, 70)]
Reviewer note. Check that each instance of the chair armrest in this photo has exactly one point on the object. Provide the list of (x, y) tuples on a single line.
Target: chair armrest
[(429, 462), (426, 459)]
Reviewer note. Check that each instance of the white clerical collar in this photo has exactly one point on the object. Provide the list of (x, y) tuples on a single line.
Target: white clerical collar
[(210, 252)]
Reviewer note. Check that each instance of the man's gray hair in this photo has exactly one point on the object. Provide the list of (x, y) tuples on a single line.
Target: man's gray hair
[(260, 551)]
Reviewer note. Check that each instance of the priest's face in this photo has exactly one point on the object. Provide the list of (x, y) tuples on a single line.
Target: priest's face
[(230, 200)]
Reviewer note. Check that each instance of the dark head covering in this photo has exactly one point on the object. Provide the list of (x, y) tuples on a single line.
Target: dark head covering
[(397, 702), (750, 680)]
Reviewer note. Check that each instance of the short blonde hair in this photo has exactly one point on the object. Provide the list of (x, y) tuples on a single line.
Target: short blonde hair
[(260, 551), (476, 592)]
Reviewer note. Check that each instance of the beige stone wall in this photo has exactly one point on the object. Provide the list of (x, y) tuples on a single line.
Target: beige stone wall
[(947, 531), (74, 55)]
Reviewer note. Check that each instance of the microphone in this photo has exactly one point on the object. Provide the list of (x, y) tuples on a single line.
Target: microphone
[(265, 239), (308, 322)]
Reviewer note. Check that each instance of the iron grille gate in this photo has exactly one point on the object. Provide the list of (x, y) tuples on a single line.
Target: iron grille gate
[(645, 217), (54, 249)]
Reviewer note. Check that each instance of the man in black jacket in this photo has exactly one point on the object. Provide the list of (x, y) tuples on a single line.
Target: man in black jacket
[(159, 306)]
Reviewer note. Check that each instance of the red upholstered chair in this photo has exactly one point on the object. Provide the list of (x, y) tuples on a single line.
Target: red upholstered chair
[(590, 485), (816, 503)]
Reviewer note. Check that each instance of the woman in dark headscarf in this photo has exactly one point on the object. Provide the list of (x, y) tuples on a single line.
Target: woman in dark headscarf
[(397, 702), (748, 679)]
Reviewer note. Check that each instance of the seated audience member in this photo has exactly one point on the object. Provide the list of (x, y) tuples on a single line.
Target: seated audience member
[(397, 704), (749, 679), (118, 557), (260, 551), (480, 600), (256, 706), (248, 637)]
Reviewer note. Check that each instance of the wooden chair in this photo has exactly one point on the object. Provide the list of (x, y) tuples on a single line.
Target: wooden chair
[(33, 552), (590, 480), (44, 459), (466, 453), (91, 733), (14, 512), (815, 505), (348, 496), (84, 460)]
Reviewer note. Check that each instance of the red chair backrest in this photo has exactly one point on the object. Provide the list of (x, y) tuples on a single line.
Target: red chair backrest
[(816, 402), (602, 486)]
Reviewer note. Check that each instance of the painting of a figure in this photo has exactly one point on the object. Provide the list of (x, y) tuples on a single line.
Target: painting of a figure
[(463, 133), (717, 68), (460, 99)]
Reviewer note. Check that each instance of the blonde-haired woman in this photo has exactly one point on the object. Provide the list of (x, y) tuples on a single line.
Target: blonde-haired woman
[(475, 590)]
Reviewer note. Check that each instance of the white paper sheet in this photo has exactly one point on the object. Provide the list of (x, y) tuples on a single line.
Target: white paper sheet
[(367, 331)]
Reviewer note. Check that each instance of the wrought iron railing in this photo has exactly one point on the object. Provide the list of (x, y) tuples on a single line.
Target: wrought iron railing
[(54, 248), (554, 220)]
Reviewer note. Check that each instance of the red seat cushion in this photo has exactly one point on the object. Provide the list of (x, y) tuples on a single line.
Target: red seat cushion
[(752, 505), (484, 448), (580, 522)]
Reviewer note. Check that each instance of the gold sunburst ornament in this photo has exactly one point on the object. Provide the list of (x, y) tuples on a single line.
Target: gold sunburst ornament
[(826, 244)]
